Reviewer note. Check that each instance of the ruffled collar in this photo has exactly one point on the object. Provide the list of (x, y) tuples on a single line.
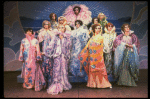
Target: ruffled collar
[(81, 27), (130, 32), (112, 31)]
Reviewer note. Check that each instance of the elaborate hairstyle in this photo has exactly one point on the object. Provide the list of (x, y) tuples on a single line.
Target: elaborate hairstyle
[(108, 24), (94, 26), (61, 18), (123, 26), (76, 7), (80, 22), (94, 19), (51, 15), (84, 15), (46, 22), (29, 29), (101, 14)]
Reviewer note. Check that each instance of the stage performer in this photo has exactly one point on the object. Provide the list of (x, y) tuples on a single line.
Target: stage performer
[(53, 21), (102, 21), (30, 55), (59, 50), (45, 35), (95, 20), (109, 36), (79, 39), (77, 12), (62, 20), (91, 58), (126, 47)]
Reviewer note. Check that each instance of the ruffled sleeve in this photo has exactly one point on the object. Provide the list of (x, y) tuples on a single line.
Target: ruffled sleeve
[(136, 42), (21, 51), (40, 36), (117, 41)]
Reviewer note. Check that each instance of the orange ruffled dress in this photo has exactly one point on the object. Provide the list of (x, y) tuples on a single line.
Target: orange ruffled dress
[(91, 58)]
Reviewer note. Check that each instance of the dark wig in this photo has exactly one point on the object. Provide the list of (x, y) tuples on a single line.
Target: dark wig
[(51, 15), (94, 19), (80, 22), (94, 26), (123, 26), (76, 7), (29, 29)]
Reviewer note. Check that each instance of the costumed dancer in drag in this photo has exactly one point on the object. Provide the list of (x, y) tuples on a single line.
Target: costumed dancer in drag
[(109, 37), (30, 55), (126, 47), (95, 20), (62, 21), (45, 36), (53, 21), (59, 50), (102, 20), (91, 58), (79, 38), (77, 12)]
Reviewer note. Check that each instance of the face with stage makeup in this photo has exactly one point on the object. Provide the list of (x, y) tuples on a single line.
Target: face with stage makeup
[(101, 16), (46, 24), (61, 20), (109, 26), (77, 24), (97, 29), (125, 27), (53, 16), (29, 31), (95, 21), (61, 28), (76, 10)]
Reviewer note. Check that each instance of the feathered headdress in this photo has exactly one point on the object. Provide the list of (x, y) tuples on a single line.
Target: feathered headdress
[(84, 14)]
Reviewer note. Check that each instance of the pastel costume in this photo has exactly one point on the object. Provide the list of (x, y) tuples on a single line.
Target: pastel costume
[(31, 71), (59, 50), (79, 38), (44, 38), (126, 66)]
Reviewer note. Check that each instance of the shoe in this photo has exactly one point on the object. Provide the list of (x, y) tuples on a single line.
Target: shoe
[(110, 87)]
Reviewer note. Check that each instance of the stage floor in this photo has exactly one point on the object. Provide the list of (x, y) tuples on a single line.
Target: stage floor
[(13, 89)]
